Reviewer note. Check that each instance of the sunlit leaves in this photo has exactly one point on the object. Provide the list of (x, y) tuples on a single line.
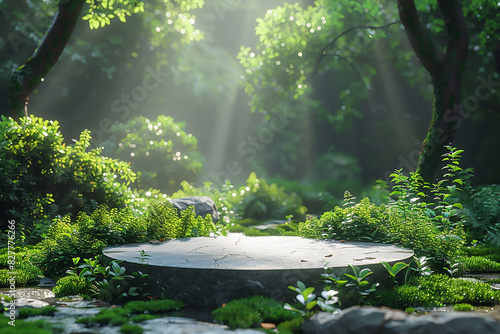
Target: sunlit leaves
[(100, 13), (295, 43)]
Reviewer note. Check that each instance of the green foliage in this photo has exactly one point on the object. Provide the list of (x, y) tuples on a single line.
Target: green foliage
[(154, 306), (429, 228), (131, 329), (245, 312), (88, 235), (439, 290), (31, 312), (113, 317), (42, 177), (159, 149), (463, 307), (354, 289), (71, 285), (164, 222), (100, 13), (22, 326), (292, 38), (477, 264), (291, 326), (483, 216), (26, 261), (256, 200)]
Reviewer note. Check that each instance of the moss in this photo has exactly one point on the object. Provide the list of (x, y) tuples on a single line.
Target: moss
[(291, 326), (31, 312), (114, 317), (478, 264), (141, 317), (154, 306), (131, 329), (463, 307), (438, 290), (243, 313), (32, 327)]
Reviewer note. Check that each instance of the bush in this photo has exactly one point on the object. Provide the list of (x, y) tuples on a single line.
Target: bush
[(42, 177), (160, 150), (367, 222), (163, 222), (26, 267), (70, 285), (88, 235), (483, 216)]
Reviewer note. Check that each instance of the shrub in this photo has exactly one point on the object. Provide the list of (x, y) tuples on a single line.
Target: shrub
[(70, 285), (367, 222), (42, 177), (159, 149), (163, 222), (483, 216), (88, 235)]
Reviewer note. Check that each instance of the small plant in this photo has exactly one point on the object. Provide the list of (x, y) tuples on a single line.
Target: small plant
[(354, 290), (71, 285), (395, 269)]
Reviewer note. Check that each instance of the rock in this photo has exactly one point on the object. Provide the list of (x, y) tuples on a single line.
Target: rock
[(203, 205), (388, 321)]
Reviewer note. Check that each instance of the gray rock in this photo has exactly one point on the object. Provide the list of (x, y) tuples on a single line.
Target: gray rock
[(203, 205), (388, 321)]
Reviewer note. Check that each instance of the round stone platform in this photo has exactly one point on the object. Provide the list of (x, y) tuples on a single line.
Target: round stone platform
[(211, 271)]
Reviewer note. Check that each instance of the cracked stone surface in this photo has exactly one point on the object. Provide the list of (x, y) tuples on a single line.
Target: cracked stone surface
[(212, 271), (239, 252)]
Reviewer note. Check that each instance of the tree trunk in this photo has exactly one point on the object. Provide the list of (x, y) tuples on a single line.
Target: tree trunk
[(446, 70), (27, 76)]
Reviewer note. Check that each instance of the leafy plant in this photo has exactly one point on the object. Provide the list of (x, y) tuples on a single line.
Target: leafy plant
[(42, 178), (354, 290), (395, 269), (483, 216), (160, 150)]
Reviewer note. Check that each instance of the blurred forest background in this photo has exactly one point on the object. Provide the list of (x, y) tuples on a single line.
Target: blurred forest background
[(148, 67)]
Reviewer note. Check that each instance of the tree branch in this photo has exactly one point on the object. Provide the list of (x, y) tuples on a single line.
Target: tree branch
[(27, 76), (421, 42)]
